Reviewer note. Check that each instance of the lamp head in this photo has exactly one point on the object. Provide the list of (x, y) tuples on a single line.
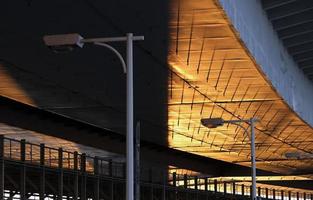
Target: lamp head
[(212, 122), (292, 155), (63, 42)]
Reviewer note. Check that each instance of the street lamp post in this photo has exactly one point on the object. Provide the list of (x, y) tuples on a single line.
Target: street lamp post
[(70, 41), (215, 122)]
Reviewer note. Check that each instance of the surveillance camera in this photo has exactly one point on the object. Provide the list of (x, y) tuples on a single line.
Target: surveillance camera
[(212, 122), (64, 42)]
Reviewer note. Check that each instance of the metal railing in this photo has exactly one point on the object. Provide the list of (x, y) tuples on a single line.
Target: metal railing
[(42, 155)]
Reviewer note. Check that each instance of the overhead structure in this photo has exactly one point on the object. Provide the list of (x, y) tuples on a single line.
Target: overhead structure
[(214, 76), (293, 22)]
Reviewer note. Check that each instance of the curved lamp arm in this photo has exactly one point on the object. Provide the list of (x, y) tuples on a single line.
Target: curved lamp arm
[(116, 53), (245, 129)]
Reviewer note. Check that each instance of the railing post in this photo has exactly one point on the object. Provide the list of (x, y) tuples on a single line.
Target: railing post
[(150, 182), (266, 193), (282, 195), (206, 184), (75, 197), (1, 167), (185, 181), (174, 179), (174, 184), (97, 180), (243, 190), (225, 188), (304, 196), (164, 185), (259, 191), (196, 183), (297, 195), (112, 182), (83, 176), (289, 195), (234, 188), (110, 168), (43, 174), (23, 170), (60, 176), (215, 186), (274, 194)]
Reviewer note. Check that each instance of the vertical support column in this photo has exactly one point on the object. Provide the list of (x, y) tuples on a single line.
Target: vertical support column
[(97, 180), (234, 188), (1, 167), (185, 181), (75, 189), (150, 182), (130, 120), (164, 185), (196, 186), (225, 188), (174, 179), (23, 170), (196, 183), (259, 191), (215, 186), (274, 194), (289, 195), (60, 174), (304, 196), (206, 184), (174, 184), (266, 193), (282, 195), (311, 196), (83, 176), (243, 190), (111, 180), (298, 196), (43, 172)]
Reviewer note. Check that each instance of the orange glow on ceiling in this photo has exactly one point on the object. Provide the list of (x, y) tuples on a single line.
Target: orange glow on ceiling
[(213, 75)]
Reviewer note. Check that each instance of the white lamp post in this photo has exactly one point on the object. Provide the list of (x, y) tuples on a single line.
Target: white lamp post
[(215, 122), (70, 41)]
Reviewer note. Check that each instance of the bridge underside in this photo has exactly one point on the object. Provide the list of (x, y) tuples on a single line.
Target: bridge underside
[(192, 65)]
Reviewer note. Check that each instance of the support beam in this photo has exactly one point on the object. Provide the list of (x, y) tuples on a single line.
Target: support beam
[(30, 118)]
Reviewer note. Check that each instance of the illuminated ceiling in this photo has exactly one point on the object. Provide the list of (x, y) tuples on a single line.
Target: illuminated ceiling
[(214, 76)]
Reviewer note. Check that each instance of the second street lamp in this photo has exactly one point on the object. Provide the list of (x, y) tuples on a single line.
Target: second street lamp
[(216, 122)]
